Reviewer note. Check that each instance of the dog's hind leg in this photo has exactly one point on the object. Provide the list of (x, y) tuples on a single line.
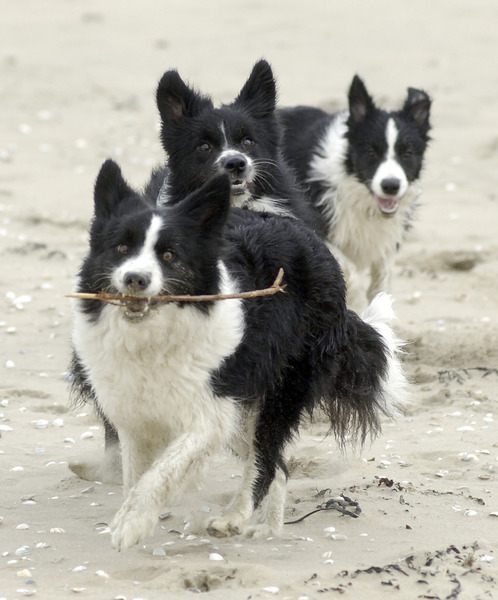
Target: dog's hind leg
[(271, 518), (237, 513)]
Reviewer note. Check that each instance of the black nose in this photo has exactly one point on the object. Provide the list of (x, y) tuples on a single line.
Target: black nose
[(137, 280), (390, 186), (235, 164)]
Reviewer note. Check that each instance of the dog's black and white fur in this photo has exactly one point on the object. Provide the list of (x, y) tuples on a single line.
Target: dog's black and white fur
[(241, 139), (180, 379), (361, 168)]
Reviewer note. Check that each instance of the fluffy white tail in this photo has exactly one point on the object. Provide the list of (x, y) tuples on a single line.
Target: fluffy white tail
[(380, 315)]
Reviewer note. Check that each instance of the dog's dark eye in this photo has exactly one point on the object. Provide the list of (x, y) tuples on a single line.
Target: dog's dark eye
[(122, 248), (406, 153), (247, 142), (204, 147), (168, 256)]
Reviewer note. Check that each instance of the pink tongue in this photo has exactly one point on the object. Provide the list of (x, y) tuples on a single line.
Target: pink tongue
[(387, 205)]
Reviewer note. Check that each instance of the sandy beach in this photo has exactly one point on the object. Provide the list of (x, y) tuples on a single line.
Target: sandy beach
[(77, 86)]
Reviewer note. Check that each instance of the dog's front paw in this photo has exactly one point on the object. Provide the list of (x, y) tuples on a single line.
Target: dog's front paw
[(221, 527), (132, 524)]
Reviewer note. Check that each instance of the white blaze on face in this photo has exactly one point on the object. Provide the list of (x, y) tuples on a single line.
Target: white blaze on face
[(240, 176), (144, 262), (389, 183)]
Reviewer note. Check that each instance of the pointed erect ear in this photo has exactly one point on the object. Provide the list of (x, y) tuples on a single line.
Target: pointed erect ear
[(175, 100), (418, 107), (259, 93), (209, 205), (110, 189), (360, 101)]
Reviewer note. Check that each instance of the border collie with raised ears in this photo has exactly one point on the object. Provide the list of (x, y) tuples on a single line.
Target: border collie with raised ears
[(241, 139), (181, 379), (361, 169)]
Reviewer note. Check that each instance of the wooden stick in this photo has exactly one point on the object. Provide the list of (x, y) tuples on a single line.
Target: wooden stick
[(119, 300)]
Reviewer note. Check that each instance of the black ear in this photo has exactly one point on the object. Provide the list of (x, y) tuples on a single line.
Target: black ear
[(175, 100), (110, 189), (209, 205), (360, 101), (418, 108), (259, 93)]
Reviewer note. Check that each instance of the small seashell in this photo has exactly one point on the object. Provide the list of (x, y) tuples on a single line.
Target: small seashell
[(58, 422), (77, 590), (24, 573), (79, 568), (57, 530), (466, 428), (22, 526), (487, 558), (101, 573), (215, 556), (159, 552), (6, 428), (329, 529), (42, 545), (41, 424), (23, 551), (86, 435), (493, 514), (470, 513), (271, 589), (328, 554), (10, 364), (25, 592), (338, 536)]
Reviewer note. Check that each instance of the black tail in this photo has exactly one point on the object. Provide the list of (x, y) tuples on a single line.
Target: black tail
[(369, 380)]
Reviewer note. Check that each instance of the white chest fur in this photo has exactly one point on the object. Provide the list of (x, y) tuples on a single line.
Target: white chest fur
[(156, 372)]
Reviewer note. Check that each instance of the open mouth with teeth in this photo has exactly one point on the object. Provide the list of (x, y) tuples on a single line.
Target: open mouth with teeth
[(134, 310), (387, 205), (239, 186)]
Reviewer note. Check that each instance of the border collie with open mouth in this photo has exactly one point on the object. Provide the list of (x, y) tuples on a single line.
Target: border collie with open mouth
[(241, 139), (179, 380), (361, 168)]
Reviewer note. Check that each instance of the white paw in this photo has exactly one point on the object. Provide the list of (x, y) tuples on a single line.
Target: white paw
[(132, 524), (260, 531), (221, 527)]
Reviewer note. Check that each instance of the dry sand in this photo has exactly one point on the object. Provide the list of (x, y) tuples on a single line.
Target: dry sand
[(77, 86)]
